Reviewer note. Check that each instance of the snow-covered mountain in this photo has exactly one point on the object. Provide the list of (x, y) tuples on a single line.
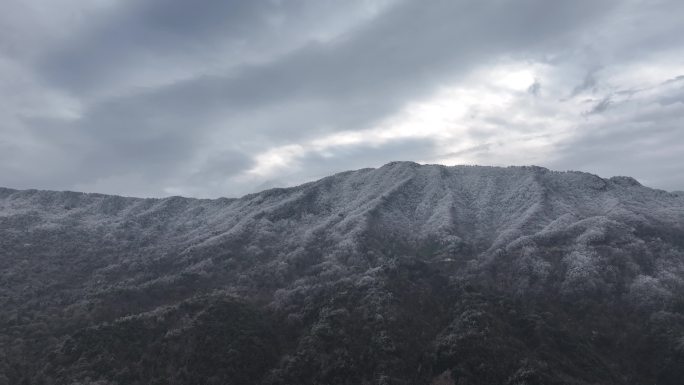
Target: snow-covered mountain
[(413, 273)]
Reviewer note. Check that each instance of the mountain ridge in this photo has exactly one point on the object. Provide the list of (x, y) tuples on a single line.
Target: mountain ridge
[(628, 180), (534, 173)]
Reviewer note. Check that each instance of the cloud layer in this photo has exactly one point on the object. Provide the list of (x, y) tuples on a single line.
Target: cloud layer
[(220, 98)]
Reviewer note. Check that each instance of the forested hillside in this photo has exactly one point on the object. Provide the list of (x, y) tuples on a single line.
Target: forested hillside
[(405, 274)]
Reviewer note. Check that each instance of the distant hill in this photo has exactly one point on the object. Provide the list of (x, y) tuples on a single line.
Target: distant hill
[(405, 274)]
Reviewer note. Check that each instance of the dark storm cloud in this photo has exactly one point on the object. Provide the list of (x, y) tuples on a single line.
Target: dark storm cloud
[(176, 96), (407, 50), (377, 68), (173, 33)]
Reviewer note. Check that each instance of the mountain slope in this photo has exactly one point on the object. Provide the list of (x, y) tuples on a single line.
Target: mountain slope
[(401, 274)]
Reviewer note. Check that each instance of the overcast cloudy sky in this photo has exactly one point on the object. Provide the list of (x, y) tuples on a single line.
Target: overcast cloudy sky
[(220, 98)]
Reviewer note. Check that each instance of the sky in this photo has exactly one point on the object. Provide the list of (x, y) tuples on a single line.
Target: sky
[(213, 98)]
